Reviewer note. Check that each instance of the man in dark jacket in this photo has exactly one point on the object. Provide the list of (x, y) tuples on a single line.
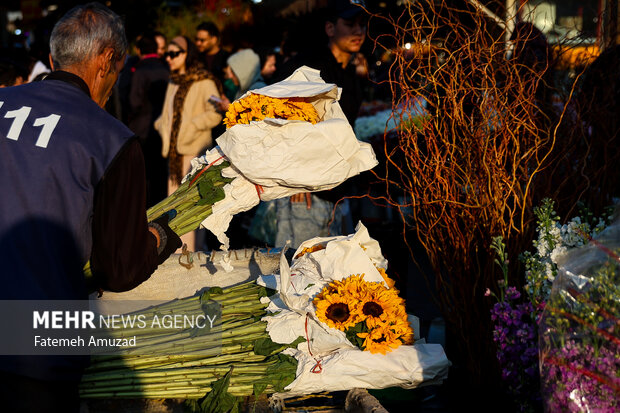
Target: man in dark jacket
[(308, 215), (345, 28), (72, 179), (146, 98), (208, 44)]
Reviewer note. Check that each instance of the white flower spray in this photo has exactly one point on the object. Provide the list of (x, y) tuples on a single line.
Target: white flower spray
[(553, 241)]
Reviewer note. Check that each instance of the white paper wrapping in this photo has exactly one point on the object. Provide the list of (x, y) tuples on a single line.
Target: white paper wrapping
[(286, 157), (348, 368), (343, 366)]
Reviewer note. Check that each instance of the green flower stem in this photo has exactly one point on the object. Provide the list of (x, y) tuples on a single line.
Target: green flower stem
[(232, 326), (190, 220), (233, 293), (226, 354), (182, 194), (164, 382), (196, 346), (181, 372), (188, 344), (230, 320), (184, 201), (243, 356), (192, 393), (230, 295)]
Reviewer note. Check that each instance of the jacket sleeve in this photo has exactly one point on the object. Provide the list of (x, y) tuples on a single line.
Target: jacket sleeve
[(124, 252), (210, 117)]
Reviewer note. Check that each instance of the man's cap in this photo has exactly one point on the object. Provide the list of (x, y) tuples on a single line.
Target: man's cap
[(345, 9)]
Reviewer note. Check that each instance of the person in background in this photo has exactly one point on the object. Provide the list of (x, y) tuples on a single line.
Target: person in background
[(73, 179), (119, 101), (268, 59), (213, 56), (338, 61), (146, 98), (306, 215), (38, 57), (161, 44), (211, 53), (187, 116), (242, 74), (10, 74)]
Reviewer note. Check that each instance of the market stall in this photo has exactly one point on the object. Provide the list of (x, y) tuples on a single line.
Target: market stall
[(324, 358), (326, 318)]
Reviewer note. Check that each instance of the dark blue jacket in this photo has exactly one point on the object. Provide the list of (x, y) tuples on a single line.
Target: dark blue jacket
[(72, 188)]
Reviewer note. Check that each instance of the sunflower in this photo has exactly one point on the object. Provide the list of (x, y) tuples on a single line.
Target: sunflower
[(336, 311), (355, 287), (402, 330), (377, 307), (352, 287), (333, 287), (379, 340)]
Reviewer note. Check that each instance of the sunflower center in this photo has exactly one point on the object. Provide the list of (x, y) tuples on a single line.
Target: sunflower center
[(372, 309), (338, 312)]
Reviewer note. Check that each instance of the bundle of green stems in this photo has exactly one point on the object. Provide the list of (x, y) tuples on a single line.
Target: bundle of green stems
[(189, 205), (193, 200), (184, 364)]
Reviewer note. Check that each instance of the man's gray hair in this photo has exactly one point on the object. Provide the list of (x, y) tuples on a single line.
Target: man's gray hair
[(85, 32)]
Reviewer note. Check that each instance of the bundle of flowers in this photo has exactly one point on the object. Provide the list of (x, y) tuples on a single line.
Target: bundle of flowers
[(355, 329), (375, 123), (262, 342), (518, 317), (308, 147), (372, 316), (191, 203), (283, 139), (580, 329), (255, 107)]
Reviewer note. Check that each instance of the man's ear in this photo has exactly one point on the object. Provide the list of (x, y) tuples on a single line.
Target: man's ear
[(330, 28), (105, 61), (51, 61)]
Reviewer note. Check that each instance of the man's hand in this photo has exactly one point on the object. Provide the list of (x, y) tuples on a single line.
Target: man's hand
[(302, 197), (167, 240)]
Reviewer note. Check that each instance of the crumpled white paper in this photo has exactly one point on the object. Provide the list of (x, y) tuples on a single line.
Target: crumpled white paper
[(347, 368), (343, 366), (286, 157)]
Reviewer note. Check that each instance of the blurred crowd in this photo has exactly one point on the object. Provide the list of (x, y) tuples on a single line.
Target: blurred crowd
[(173, 93)]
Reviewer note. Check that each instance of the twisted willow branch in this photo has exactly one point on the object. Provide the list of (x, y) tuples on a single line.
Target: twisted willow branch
[(492, 147)]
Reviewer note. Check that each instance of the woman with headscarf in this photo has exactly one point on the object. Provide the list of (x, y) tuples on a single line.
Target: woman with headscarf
[(187, 116)]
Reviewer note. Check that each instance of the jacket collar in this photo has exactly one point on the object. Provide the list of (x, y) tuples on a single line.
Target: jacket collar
[(71, 78)]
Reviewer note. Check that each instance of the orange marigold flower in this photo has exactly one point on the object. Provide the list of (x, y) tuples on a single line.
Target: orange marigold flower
[(313, 248), (256, 107)]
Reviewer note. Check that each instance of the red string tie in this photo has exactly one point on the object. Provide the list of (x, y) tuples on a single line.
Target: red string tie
[(259, 190), (317, 367), (193, 181)]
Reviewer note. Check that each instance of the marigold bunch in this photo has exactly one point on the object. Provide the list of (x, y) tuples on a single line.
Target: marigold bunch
[(311, 249), (256, 107), (372, 315)]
